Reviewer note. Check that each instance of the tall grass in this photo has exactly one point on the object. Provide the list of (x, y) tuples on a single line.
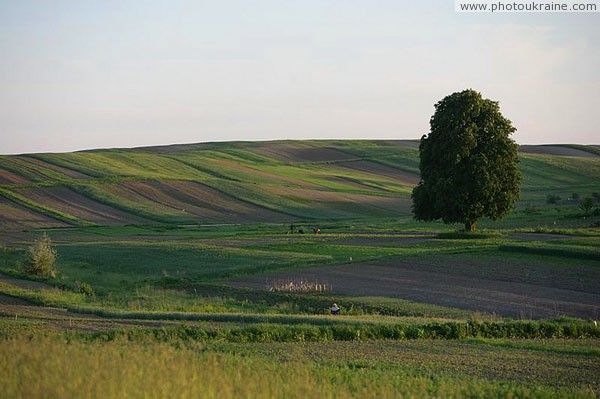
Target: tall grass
[(298, 285), (47, 367), (297, 329)]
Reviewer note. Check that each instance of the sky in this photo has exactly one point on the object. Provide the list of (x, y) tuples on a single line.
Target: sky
[(86, 74)]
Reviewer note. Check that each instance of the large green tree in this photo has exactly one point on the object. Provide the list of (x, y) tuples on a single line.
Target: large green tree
[(468, 163)]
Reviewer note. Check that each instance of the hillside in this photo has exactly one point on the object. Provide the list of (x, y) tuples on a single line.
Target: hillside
[(239, 182)]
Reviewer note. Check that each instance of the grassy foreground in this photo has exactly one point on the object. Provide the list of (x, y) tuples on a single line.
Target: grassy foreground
[(166, 320), (52, 367)]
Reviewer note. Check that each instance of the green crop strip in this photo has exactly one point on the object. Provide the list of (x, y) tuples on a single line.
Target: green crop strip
[(58, 215)]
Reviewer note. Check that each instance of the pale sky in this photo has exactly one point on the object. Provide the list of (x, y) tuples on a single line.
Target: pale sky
[(95, 74)]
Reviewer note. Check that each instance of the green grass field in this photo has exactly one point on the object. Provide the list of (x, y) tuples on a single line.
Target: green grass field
[(373, 369), (162, 297), (181, 247), (315, 181)]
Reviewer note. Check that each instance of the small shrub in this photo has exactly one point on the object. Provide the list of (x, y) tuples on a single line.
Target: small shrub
[(40, 258), (575, 196), (86, 289), (586, 205)]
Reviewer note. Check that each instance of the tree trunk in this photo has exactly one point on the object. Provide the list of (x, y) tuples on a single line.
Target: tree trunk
[(470, 225)]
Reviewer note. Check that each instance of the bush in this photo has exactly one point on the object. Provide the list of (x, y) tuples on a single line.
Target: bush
[(552, 199), (40, 258), (586, 205), (87, 289)]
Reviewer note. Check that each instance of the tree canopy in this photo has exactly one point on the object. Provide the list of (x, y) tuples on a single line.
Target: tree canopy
[(468, 163)]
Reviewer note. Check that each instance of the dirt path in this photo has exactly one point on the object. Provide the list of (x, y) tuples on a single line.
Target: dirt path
[(55, 319), (52, 318), (27, 284), (538, 236)]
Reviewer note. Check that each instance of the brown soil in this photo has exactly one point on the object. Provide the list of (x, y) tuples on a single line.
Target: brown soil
[(70, 202), (330, 196), (404, 177), (353, 203), (14, 216), (555, 150), (308, 152), (301, 152), (6, 300), (8, 177), (26, 284), (57, 319), (174, 148), (65, 171), (512, 295), (199, 200), (537, 236)]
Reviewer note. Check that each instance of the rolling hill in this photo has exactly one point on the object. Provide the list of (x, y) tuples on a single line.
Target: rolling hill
[(237, 182)]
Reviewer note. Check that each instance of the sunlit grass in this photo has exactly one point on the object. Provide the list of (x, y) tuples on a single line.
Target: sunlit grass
[(50, 367)]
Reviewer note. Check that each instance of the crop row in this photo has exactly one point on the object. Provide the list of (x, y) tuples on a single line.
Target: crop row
[(562, 328)]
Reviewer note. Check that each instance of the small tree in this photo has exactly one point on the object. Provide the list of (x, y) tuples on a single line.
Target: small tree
[(468, 163), (587, 203), (41, 258)]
